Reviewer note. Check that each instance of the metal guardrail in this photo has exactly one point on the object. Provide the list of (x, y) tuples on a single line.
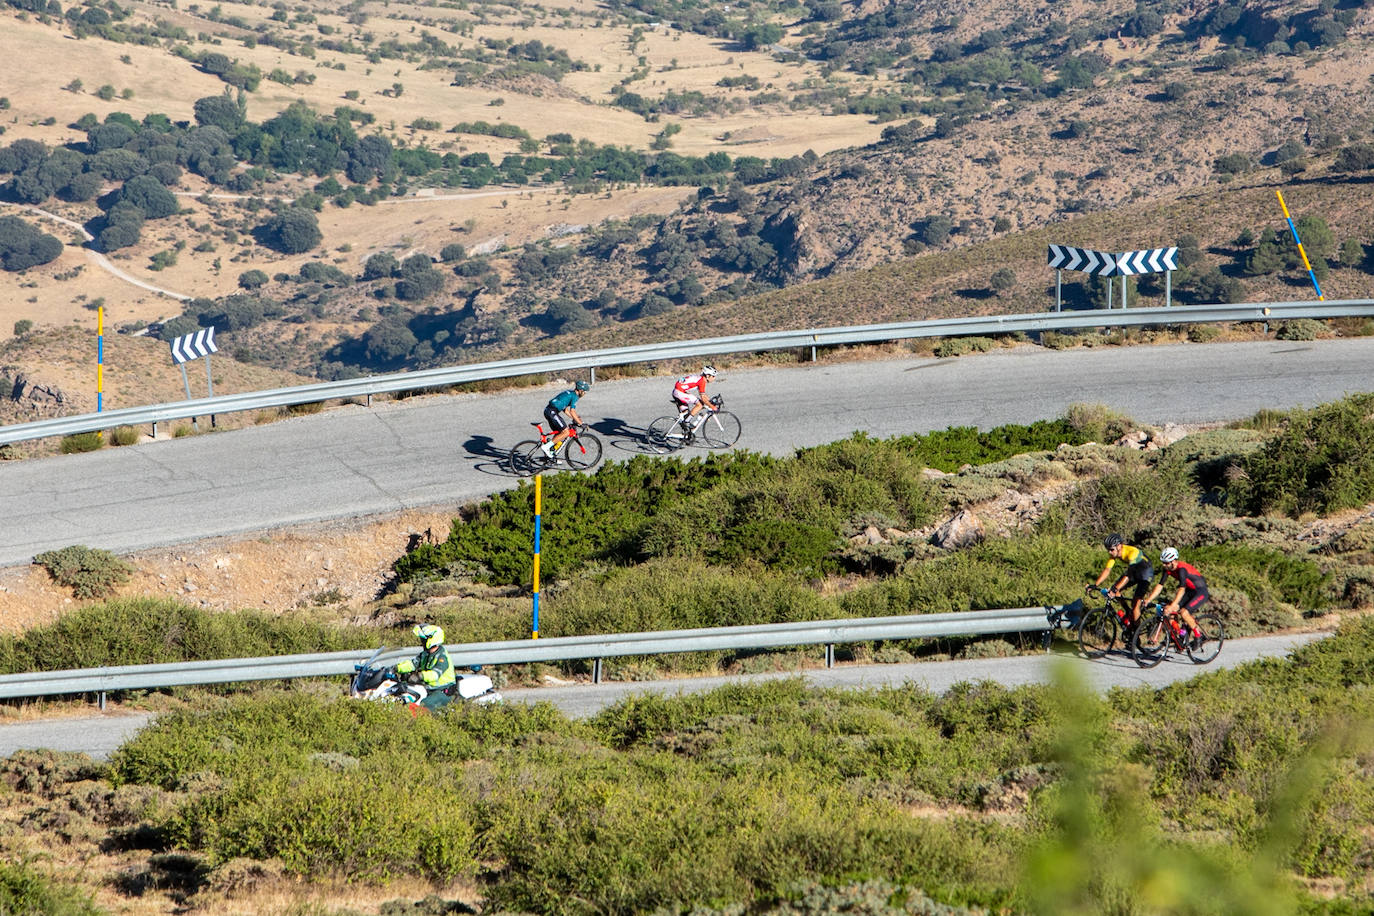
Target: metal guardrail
[(515, 652), (620, 356)]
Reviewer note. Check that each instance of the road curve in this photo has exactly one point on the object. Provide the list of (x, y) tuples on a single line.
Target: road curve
[(100, 735), (446, 450)]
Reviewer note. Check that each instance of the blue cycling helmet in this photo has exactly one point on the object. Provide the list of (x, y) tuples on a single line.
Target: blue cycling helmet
[(582, 386)]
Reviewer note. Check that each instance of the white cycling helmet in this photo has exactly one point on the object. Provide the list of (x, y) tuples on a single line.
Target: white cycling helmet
[(708, 371), (1168, 555)]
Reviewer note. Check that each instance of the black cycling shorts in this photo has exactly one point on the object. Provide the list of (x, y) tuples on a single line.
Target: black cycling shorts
[(1141, 575), (557, 422)]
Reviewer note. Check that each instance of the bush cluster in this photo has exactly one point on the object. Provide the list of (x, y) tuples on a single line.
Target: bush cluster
[(89, 573), (1320, 460), (738, 509), (751, 796)]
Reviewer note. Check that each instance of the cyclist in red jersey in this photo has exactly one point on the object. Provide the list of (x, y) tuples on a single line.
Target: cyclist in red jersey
[(1192, 588), (690, 394)]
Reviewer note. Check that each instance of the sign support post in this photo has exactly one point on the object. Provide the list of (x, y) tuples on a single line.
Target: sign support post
[(191, 346)]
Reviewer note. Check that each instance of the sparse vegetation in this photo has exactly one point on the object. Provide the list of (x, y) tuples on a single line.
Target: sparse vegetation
[(88, 572)]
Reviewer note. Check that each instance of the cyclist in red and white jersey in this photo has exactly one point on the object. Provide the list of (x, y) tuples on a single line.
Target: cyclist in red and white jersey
[(1192, 588), (690, 394)]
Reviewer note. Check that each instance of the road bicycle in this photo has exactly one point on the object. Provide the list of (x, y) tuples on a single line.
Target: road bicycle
[(1159, 632), (580, 450), (1106, 626), (716, 428)]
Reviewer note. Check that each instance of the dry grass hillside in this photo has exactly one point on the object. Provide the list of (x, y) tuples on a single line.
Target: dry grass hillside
[(904, 156)]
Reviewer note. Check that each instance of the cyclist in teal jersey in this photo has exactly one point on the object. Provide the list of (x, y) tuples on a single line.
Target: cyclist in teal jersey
[(560, 404)]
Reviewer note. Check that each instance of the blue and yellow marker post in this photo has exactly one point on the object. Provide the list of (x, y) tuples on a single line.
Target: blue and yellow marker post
[(1305, 263), (100, 359), (538, 493)]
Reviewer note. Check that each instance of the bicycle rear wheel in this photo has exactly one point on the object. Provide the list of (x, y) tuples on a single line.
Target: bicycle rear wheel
[(721, 429), (1150, 643), (1097, 632), (582, 452), (665, 435), (1208, 646), (515, 460), (535, 461)]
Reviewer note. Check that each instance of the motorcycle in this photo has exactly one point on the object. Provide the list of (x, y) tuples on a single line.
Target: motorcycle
[(373, 682)]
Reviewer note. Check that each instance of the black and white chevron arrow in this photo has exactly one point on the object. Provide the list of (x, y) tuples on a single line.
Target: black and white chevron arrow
[(1147, 261), (194, 345), (1067, 257)]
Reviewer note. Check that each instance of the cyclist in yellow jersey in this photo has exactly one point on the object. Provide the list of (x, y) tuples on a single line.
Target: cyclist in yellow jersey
[(1138, 571)]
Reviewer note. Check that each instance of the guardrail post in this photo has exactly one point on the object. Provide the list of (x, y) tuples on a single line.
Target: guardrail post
[(596, 671), (830, 655), (101, 701)]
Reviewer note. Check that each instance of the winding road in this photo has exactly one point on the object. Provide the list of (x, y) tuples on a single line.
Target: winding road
[(445, 450)]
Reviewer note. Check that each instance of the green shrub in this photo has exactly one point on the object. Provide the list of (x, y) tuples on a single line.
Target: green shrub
[(1321, 460), (153, 631), (123, 435), (88, 572), (1097, 422), (1136, 498), (1301, 329), (958, 346), (1040, 570), (24, 891), (1057, 340), (676, 595), (1203, 333), (82, 442)]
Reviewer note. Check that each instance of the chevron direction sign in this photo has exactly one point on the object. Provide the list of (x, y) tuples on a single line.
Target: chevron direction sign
[(1066, 257), (194, 345), (1146, 261)]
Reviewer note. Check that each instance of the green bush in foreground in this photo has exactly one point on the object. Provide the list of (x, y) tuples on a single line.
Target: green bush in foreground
[(88, 572), (25, 892), (1206, 797)]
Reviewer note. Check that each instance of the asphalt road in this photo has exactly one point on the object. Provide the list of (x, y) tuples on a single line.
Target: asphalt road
[(100, 735), (446, 450)]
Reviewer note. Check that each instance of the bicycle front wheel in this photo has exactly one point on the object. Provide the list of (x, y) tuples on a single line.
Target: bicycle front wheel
[(665, 435), (515, 461), (583, 452), (721, 429), (1150, 643), (1206, 647), (1097, 632)]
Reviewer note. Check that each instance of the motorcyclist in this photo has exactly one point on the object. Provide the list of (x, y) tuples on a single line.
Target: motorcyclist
[(431, 668)]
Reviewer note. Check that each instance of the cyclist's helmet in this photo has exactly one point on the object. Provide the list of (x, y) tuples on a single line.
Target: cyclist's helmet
[(1168, 555), (1113, 541), (708, 371), (582, 385), (430, 635)]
